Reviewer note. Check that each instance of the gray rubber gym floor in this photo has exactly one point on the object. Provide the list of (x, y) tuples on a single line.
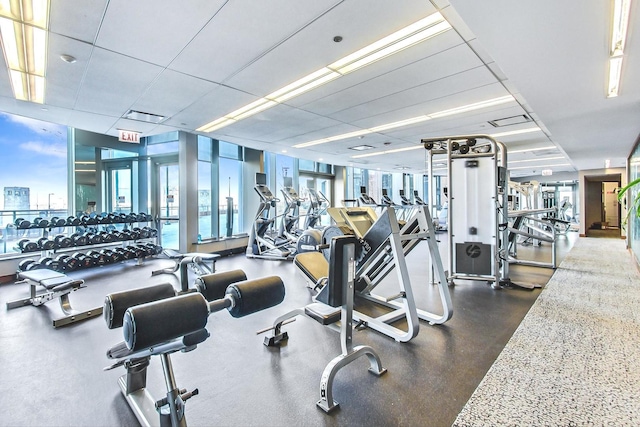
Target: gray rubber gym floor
[(55, 377)]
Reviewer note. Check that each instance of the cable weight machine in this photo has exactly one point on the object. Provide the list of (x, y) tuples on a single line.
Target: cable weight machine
[(478, 210)]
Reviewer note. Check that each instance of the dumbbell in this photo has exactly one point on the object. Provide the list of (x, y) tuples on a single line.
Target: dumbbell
[(72, 220), (142, 217), (153, 249), (143, 233), (27, 245), (99, 258), (128, 252), (121, 253), (140, 251), (84, 261), (62, 241), (109, 256), (93, 239), (62, 262), (46, 244), (106, 237), (57, 222), (153, 323), (131, 218), (126, 235), (22, 223), (42, 262), (78, 239), (134, 234), (40, 223), (53, 264), (26, 265)]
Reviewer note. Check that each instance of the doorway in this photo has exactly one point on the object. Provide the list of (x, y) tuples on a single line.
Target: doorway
[(166, 192), (119, 184), (603, 214)]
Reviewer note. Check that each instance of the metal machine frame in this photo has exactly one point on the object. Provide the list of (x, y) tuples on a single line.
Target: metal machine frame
[(475, 150)]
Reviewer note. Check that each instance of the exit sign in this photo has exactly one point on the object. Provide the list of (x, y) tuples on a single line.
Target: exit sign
[(129, 136)]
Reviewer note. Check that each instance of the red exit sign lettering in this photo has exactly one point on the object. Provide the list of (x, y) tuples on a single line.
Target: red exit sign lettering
[(129, 136)]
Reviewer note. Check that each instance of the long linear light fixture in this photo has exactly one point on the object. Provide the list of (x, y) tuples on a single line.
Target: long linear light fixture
[(415, 33), (526, 150), (23, 27), (618, 39), (540, 166), (407, 122), (544, 159)]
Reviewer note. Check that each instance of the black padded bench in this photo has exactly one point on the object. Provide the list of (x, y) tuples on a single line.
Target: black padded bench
[(56, 285)]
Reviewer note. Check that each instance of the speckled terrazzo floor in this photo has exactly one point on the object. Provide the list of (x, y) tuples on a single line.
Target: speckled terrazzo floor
[(575, 358)]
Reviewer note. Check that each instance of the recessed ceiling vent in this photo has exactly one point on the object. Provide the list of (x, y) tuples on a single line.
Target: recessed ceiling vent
[(143, 117), (508, 121)]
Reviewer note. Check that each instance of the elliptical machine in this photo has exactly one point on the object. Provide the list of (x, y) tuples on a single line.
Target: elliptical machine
[(291, 217), (263, 243)]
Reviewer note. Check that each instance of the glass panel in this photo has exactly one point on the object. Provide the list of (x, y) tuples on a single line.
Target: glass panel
[(166, 148), (204, 148), (228, 150), (284, 169), (204, 200), (324, 168), (169, 187), (34, 169), (306, 165), (108, 153), (159, 139), (230, 182), (120, 194)]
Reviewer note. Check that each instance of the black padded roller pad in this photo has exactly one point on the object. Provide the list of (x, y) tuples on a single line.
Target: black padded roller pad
[(255, 295), (156, 322), (213, 286), (117, 303)]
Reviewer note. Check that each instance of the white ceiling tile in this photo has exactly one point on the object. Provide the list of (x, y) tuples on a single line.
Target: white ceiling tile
[(425, 62), (114, 82), (314, 48), (172, 92), (140, 28), (238, 35), (63, 79), (77, 19)]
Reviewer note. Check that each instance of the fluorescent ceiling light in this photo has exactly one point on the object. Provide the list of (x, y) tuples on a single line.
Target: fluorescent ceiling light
[(409, 36), (536, 160), (618, 39), (23, 30), (615, 72), (411, 121), (620, 25), (472, 107), (396, 150), (540, 166), (515, 132), (526, 150)]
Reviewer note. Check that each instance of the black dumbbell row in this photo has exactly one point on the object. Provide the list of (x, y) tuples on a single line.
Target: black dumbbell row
[(91, 219), (79, 260), (85, 238)]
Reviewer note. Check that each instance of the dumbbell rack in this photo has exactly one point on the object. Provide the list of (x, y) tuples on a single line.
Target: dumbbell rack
[(63, 245)]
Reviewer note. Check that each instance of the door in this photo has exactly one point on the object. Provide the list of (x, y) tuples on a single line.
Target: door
[(166, 188), (119, 185)]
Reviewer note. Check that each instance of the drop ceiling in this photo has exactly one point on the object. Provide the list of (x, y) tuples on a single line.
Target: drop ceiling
[(196, 61)]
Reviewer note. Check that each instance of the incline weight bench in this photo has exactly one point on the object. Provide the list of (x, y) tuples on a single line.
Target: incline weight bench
[(56, 285), (335, 304), (170, 324)]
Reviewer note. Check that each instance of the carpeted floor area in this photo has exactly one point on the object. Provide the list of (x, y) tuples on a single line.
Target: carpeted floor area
[(575, 358)]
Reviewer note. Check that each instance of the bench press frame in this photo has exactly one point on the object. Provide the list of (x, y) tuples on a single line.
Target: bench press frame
[(61, 287)]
